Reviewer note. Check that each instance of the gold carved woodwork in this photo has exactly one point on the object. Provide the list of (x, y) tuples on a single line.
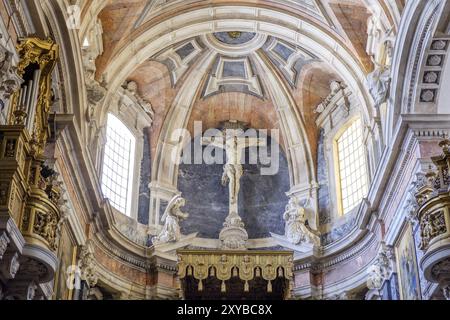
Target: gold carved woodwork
[(29, 191), (10, 149), (247, 265), (45, 224), (4, 187), (431, 226), (433, 198), (44, 54), (42, 215)]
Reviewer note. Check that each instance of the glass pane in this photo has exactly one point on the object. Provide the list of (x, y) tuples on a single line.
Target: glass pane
[(352, 166), (118, 165)]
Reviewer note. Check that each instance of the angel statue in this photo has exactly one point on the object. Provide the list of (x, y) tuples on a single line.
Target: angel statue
[(171, 217), (296, 228)]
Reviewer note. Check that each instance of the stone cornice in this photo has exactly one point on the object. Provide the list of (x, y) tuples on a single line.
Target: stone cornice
[(139, 261), (134, 290), (329, 261)]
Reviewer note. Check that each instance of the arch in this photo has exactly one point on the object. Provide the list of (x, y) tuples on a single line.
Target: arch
[(316, 79), (416, 28), (70, 63), (89, 12), (325, 45)]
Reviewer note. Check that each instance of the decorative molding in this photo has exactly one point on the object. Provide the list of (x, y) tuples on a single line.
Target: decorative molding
[(418, 53), (233, 74), (179, 58)]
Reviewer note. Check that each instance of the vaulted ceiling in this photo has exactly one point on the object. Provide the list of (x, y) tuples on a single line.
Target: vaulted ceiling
[(236, 84)]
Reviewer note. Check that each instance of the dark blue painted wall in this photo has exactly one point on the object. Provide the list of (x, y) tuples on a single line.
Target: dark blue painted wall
[(144, 191), (262, 199)]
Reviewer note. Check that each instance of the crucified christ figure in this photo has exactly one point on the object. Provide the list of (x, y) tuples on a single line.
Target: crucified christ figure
[(233, 170)]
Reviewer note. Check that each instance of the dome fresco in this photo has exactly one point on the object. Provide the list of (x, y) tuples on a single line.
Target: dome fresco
[(234, 37)]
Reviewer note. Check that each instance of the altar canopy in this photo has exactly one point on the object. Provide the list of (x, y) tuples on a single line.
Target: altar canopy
[(235, 275)]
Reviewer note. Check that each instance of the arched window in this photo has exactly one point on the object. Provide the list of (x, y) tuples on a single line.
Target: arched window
[(352, 167), (118, 165)]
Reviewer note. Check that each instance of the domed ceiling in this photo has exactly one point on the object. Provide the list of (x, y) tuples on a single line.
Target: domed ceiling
[(237, 73), (266, 63)]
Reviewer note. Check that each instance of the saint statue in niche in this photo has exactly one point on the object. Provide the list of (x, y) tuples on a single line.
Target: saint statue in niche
[(379, 82), (172, 217)]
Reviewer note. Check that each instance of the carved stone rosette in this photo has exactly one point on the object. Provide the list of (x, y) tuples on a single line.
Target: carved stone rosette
[(433, 198), (247, 265)]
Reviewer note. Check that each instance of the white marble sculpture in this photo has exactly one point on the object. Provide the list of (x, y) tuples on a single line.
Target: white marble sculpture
[(172, 217), (9, 79), (381, 269), (378, 82), (232, 171), (296, 230), (233, 236)]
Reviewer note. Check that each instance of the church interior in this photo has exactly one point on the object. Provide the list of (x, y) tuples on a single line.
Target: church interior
[(224, 149)]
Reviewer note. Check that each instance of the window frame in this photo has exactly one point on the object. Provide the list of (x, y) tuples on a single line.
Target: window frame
[(131, 187), (126, 106), (337, 165)]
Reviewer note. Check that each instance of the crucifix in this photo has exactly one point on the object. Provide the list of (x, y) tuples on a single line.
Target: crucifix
[(233, 144)]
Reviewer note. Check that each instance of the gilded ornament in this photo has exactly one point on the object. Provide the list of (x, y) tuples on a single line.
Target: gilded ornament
[(10, 148), (235, 34), (243, 264)]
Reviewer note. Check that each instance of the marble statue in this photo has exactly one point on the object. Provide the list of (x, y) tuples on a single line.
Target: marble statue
[(374, 34), (232, 171), (171, 217), (381, 268), (87, 265), (296, 230), (233, 235), (10, 81), (375, 278), (336, 88), (379, 82)]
